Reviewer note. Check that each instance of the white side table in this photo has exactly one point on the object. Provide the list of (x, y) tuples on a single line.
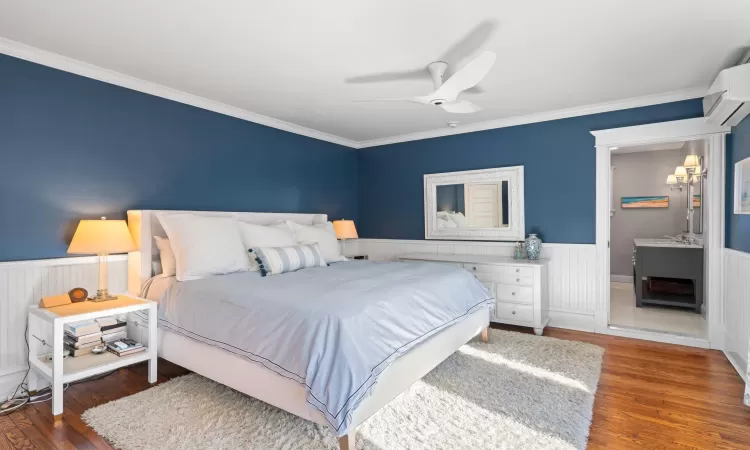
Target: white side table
[(61, 370)]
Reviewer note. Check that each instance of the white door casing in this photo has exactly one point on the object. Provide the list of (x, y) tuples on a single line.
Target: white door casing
[(680, 130)]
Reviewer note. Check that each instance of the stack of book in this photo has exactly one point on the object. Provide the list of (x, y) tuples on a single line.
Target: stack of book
[(112, 329), (124, 347), (81, 337)]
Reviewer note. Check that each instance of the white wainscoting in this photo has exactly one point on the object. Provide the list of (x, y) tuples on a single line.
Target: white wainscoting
[(737, 308), (572, 283), (23, 283)]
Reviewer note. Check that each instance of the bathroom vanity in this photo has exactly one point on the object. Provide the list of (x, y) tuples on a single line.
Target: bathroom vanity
[(657, 259)]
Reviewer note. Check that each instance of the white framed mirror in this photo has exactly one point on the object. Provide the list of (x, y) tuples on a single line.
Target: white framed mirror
[(477, 205)]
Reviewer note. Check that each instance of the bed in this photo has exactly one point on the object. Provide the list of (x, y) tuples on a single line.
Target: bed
[(249, 372)]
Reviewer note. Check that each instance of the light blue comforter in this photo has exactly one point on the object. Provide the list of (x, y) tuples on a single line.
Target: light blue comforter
[(333, 329)]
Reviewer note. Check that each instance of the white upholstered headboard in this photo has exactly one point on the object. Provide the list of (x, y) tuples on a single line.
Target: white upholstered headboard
[(144, 225)]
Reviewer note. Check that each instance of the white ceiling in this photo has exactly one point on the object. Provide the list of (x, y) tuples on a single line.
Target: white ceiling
[(290, 60)]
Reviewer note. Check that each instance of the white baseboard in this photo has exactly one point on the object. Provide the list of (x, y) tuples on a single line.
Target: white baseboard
[(621, 278), (739, 364), (572, 321), (9, 380)]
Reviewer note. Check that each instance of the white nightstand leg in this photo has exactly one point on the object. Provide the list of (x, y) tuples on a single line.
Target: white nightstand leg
[(33, 381), (57, 368), (152, 343)]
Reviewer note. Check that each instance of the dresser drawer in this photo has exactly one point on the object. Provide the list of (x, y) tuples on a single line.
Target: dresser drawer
[(502, 274), (514, 293), (515, 312)]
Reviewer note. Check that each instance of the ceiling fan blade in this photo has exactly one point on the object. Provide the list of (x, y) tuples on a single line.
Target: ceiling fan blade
[(462, 107), (467, 77), (469, 44), (475, 90), (416, 74), (421, 100)]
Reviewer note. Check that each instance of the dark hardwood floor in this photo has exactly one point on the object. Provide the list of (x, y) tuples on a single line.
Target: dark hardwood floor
[(650, 396)]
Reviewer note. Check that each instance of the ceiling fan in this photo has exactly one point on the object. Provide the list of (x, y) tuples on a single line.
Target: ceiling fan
[(464, 80), (446, 93)]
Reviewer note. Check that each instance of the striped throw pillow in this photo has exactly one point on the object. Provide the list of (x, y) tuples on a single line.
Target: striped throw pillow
[(276, 260)]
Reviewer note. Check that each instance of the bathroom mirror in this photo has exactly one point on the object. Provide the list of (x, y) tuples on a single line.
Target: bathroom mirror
[(484, 205)]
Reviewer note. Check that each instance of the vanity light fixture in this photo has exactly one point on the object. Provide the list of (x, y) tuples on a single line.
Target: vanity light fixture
[(689, 176), (692, 161), (681, 173)]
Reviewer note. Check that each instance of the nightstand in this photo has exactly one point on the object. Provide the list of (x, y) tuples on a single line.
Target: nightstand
[(358, 257), (59, 370)]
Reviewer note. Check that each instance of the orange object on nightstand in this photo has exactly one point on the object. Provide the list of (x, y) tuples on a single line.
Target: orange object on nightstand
[(54, 300)]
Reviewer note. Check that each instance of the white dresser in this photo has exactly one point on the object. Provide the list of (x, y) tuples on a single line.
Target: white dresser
[(518, 286)]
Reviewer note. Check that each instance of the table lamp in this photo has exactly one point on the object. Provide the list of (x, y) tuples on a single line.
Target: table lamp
[(345, 229), (102, 237)]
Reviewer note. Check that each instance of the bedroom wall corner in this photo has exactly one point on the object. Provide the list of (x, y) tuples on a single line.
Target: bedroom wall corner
[(77, 148)]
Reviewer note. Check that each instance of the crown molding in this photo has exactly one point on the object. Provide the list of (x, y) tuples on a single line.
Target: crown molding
[(64, 63), (636, 102)]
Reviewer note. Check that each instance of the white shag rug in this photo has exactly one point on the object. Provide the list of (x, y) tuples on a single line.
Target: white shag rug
[(517, 392)]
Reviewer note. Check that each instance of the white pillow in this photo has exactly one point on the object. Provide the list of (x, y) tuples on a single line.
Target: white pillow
[(166, 255), (459, 219), (204, 246), (323, 235), (276, 235), (445, 223)]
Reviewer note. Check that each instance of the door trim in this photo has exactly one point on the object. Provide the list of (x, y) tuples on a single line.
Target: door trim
[(679, 130)]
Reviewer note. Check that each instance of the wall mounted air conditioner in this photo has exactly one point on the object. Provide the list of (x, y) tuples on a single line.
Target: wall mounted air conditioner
[(728, 99)]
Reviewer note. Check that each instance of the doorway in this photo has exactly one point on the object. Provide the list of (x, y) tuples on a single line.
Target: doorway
[(712, 210), (656, 238)]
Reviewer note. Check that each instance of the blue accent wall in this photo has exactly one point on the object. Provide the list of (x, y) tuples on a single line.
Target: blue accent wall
[(72, 147), (559, 169), (738, 225)]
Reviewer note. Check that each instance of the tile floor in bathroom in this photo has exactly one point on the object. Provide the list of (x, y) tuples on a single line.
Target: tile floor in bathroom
[(623, 312)]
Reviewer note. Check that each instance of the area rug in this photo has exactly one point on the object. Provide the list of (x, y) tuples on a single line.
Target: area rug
[(517, 392)]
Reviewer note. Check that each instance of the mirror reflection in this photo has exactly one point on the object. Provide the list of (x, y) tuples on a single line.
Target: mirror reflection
[(472, 205)]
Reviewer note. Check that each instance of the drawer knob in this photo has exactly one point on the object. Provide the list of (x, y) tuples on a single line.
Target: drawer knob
[(518, 280), (518, 270), (514, 312), (514, 293), (474, 268)]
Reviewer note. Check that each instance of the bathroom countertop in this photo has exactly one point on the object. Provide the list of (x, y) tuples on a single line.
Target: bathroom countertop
[(664, 243)]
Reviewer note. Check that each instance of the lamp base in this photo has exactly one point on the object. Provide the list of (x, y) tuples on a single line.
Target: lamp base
[(102, 295)]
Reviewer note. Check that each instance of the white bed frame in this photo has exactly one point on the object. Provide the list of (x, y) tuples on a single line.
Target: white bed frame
[(259, 382)]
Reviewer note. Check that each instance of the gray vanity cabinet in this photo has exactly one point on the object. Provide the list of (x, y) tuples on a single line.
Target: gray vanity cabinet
[(668, 262)]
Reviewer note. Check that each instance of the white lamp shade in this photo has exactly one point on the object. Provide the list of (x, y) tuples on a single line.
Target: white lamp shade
[(680, 172), (691, 161), (671, 179), (93, 237), (345, 229)]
